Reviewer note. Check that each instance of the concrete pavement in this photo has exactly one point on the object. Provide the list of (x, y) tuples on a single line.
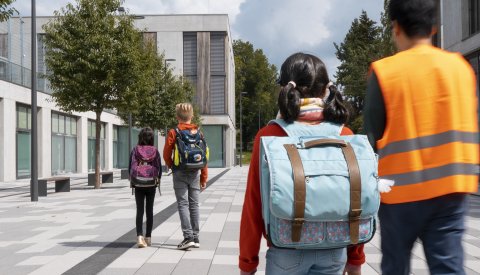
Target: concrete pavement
[(90, 231)]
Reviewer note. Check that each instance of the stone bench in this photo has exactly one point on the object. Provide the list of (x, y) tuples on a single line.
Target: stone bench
[(62, 184), (124, 174), (106, 177)]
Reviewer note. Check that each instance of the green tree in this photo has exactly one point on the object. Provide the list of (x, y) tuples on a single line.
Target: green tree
[(156, 109), (95, 60), (388, 47), (5, 10), (361, 46), (255, 78)]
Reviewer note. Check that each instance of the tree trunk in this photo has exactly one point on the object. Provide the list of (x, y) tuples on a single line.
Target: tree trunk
[(98, 128)]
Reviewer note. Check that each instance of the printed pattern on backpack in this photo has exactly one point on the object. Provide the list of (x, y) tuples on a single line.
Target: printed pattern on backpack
[(191, 151), (144, 166)]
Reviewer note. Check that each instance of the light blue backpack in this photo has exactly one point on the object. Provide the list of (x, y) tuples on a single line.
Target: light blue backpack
[(318, 189)]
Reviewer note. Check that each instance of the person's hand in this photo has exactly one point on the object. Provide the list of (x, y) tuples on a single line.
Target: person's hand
[(351, 269), (203, 185)]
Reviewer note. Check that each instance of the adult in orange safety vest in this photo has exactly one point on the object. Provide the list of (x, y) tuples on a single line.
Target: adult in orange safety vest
[(421, 115)]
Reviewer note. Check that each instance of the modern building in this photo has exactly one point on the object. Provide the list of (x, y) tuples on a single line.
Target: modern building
[(198, 47), (460, 31)]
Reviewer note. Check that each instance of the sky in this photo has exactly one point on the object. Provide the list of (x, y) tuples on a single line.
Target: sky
[(278, 27)]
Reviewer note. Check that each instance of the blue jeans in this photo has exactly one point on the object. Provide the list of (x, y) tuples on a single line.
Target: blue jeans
[(187, 189), (437, 222), (305, 261)]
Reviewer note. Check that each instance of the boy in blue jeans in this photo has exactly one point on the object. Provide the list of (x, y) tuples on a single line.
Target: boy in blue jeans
[(186, 182)]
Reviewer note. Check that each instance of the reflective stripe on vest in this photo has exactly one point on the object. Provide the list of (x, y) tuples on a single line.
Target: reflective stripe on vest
[(430, 144)]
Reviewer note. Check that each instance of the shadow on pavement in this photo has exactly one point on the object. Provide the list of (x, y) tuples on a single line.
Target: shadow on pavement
[(99, 244)]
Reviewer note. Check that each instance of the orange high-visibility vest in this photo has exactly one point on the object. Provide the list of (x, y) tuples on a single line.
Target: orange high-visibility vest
[(430, 144)]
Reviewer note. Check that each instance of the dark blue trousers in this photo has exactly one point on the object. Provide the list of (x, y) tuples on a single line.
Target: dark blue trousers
[(437, 222)]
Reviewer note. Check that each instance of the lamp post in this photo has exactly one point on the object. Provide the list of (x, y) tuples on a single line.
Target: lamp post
[(165, 86), (241, 129), (34, 152)]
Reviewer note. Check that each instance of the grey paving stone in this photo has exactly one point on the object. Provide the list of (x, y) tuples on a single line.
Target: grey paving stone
[(156, 269), (200, 267), (223, 270)]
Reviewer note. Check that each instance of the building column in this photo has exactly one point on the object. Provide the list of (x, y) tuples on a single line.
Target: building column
[(44, 142), (82, 147), (8, 155), (108, 146)]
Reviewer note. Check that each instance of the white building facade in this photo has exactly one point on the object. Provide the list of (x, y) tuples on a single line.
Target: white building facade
[(198, 47)]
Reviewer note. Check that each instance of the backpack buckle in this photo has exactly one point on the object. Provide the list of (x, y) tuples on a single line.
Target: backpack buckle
[(298, 221), (355, 214)]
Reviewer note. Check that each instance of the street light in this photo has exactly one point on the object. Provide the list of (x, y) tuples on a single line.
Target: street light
[(34, 130), (241, 131)]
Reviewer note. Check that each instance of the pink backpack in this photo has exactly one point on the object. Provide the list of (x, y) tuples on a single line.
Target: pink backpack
[(145, 166)]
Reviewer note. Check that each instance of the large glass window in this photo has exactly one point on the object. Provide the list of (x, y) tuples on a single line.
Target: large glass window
[(91, 146), (215, 140), (217, 73), (4, 45), (23, 142), (473, 16), (190, 57), (120, 147), (64, 144)]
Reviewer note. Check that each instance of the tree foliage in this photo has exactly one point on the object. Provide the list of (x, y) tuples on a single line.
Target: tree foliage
[(96, 60), (5, 10), (388, 47), (156, 107), (360, 47), (256, 78)]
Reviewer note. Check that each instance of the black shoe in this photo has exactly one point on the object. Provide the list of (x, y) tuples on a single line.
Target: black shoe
[(186, 244), (197, 243)]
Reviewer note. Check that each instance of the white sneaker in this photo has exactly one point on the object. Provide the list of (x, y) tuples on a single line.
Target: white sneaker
[(196, 243), (148, 241), (141, 242)]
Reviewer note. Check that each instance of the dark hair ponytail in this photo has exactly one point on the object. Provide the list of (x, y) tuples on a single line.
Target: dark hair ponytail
[(335, 110), (289, 103)]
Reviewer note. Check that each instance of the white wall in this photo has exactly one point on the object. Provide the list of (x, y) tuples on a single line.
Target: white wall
[(10, 95)]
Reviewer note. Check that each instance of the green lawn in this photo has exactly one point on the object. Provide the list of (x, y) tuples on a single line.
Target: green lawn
[(246, 157)]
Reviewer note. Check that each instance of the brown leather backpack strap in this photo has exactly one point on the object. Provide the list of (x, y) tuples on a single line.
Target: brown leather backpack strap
[(355, 192), (299, 194)]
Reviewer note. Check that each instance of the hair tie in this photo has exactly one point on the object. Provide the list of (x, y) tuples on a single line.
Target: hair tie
[(293, 84), (329, 95)]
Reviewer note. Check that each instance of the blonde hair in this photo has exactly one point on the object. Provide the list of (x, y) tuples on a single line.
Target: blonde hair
[(184, 111)]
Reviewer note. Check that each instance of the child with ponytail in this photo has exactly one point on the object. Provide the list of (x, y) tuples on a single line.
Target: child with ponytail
[(307, 96)]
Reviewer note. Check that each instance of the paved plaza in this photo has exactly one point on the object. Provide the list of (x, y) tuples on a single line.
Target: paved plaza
[(90, 231)]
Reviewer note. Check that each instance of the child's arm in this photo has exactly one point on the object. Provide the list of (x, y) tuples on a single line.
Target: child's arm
[(168, 149)]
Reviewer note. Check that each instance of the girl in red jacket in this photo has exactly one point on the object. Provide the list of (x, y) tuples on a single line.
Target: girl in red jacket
[(307, 96)]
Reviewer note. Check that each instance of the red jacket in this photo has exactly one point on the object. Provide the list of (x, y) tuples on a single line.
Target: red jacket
[(252, 226), (170, 146)]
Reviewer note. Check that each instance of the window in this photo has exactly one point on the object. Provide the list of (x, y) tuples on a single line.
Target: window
[(120, 147), (217, 73), (91, 145), (150, 37), (473, 16), (42, 83), (190, 57), (23, 140), (64, 144), (4, 45), (215, 139)]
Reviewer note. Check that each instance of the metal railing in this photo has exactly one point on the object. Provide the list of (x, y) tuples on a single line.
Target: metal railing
[(22, 76)]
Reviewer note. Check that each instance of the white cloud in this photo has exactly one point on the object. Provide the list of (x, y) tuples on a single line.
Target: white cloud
[(279, 27), (230, 7)]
